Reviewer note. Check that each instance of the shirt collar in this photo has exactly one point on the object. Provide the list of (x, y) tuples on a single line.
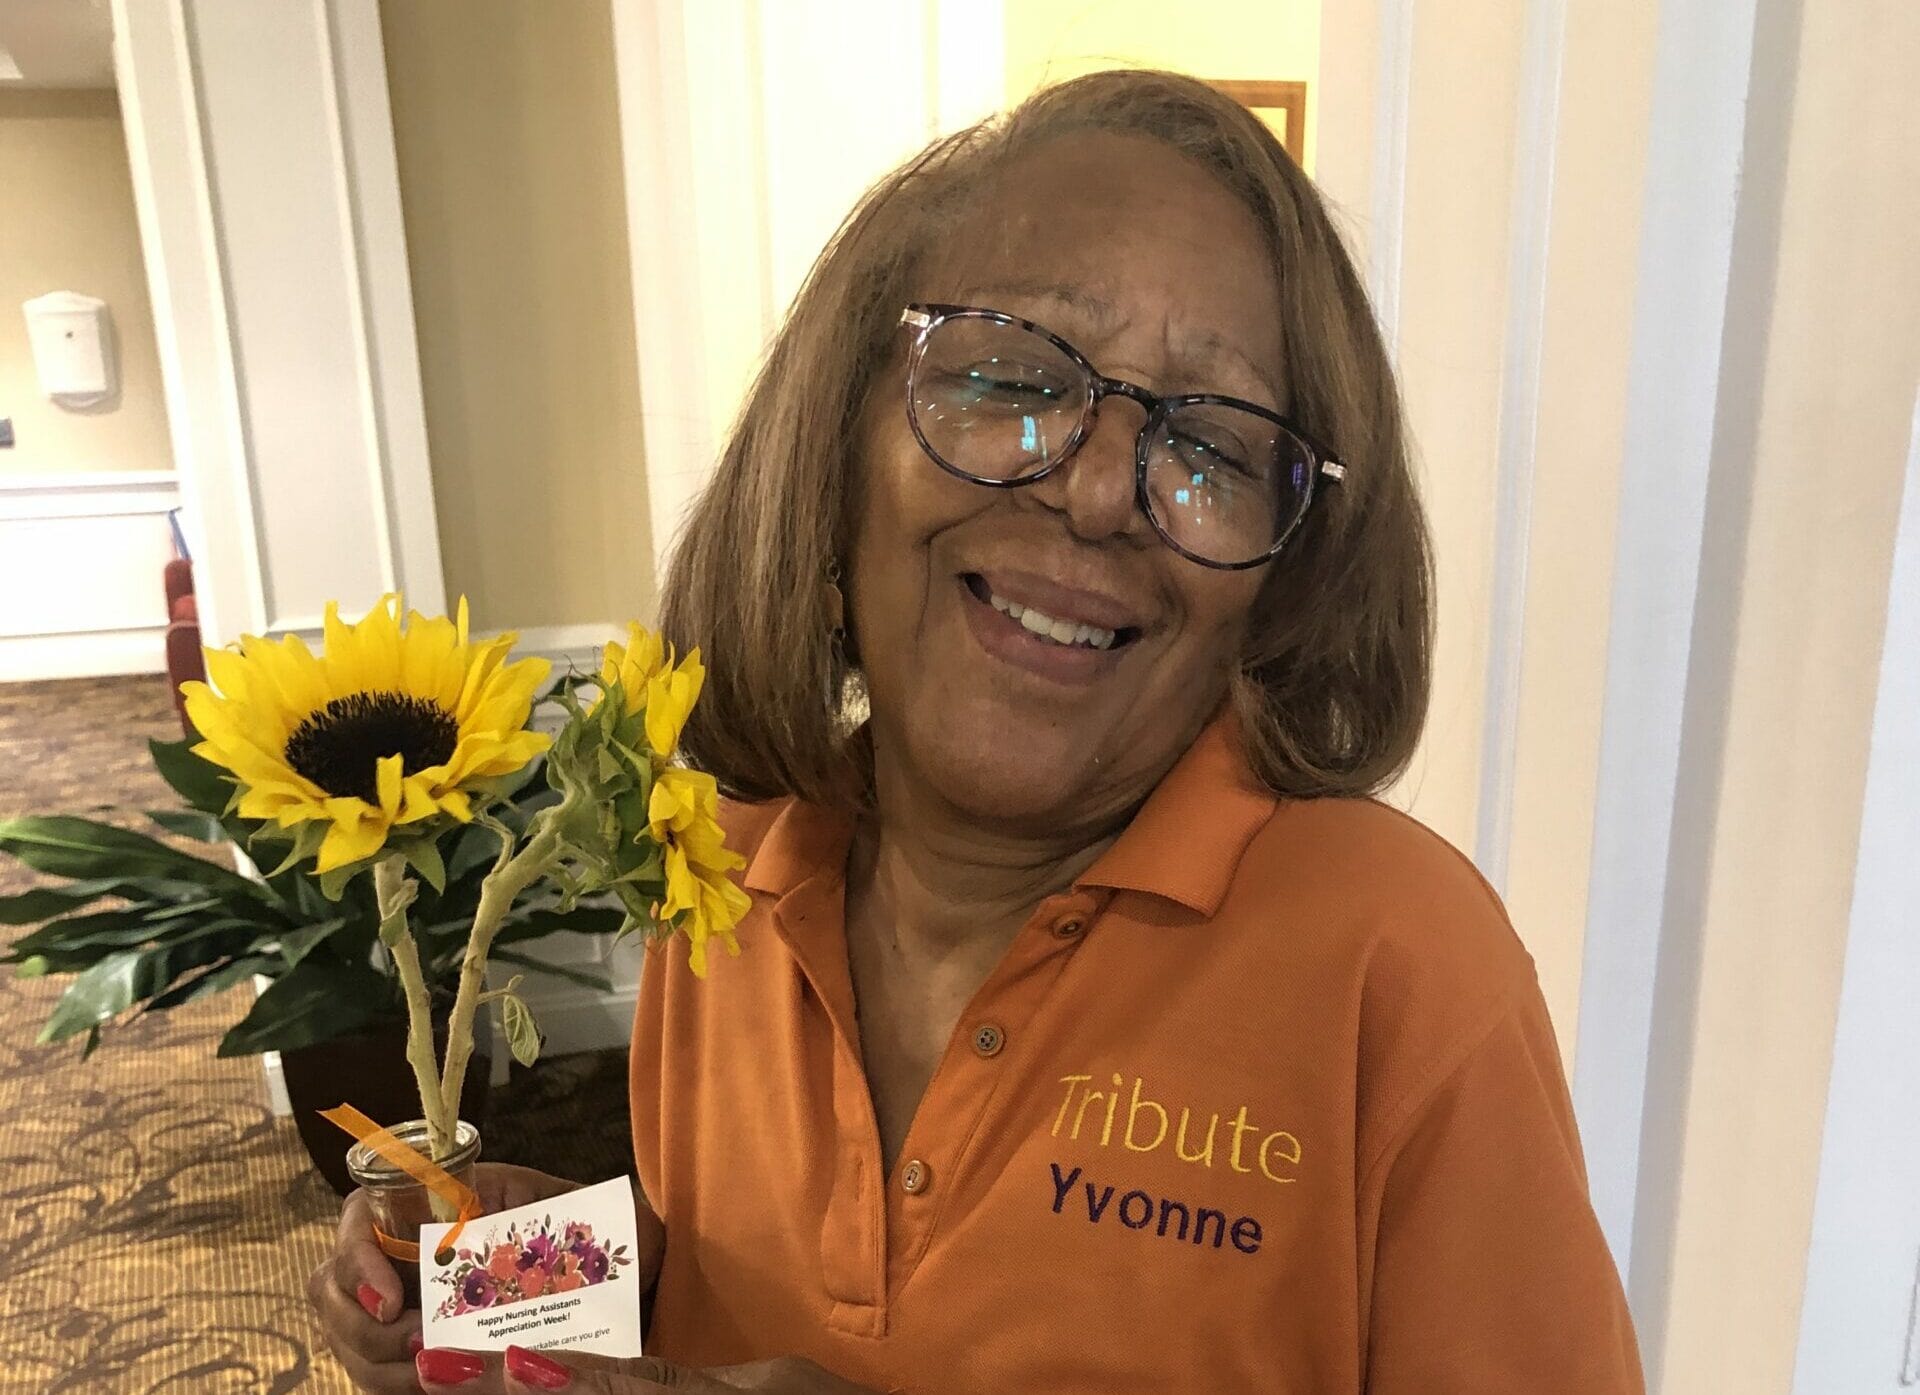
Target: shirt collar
[(1184, 845), (803, 841), (1186, 842)]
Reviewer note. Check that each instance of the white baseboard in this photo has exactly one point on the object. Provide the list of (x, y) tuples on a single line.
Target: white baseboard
[(29, 658), (81, 562)]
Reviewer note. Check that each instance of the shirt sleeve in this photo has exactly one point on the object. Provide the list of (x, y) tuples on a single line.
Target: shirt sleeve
[(1489, 1273)]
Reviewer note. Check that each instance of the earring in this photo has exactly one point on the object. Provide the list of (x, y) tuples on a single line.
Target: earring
[(846, 694)]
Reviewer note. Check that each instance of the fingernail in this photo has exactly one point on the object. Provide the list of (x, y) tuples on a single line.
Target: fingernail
[(369, 1297), (444, 1366), (531, 1368), (416, 1342)]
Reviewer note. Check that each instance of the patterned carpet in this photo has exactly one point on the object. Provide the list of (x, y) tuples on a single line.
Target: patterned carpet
[(157, 1223)]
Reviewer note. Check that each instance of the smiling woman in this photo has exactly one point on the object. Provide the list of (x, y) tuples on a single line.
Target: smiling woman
[(1080, 452)]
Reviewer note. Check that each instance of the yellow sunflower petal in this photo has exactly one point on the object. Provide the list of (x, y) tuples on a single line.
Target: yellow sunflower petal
[(679, 797), (681, 893), (670, 698), (719, 905), (417, 801), (228, 672), (354, 834), (390, 775)]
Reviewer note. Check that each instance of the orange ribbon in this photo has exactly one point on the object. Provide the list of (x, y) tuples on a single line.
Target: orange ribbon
[(425, 1171)]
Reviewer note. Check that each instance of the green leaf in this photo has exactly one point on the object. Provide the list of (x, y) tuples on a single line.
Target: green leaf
[(204, 785), (333, 884), (123, 927), (46, 902), (523, 1038), (423, 855), (317, 1001), (95, 997), (217, 979), (34, 966), (298, 944), (562, 971), (306, 838), (69, 847), (190, 823), (474, 849)]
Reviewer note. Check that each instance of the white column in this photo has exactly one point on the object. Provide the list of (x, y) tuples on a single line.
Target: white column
[(1858, 1327), (262, 153), (1693, 199)]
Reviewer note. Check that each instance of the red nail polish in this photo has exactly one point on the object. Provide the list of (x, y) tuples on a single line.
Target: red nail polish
[(445, 1366), (416, 1342), (369, 1297), (541, 1372)]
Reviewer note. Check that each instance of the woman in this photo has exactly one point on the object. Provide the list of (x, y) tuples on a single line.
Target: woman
[(1095, 1031)]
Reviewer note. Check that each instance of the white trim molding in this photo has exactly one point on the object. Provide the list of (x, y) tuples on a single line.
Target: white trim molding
[(1392, 110), (1536, 137), (1862, 1303), (81, 562), (573, 648), (1715, 183)]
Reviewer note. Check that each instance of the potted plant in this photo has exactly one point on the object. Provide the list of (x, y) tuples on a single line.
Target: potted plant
[(383, 773), (145, 926)]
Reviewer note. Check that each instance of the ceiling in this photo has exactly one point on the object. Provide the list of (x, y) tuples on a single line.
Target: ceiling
[(55, 43)]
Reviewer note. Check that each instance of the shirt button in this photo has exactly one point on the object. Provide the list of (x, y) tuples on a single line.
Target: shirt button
[(915, 1177), (1070, 926), (988, 1039)]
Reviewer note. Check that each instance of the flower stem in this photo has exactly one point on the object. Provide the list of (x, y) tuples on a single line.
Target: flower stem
[(510, 877), (392, 894)]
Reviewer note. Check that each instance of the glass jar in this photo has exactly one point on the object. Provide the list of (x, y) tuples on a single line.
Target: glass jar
[(400, 1203)]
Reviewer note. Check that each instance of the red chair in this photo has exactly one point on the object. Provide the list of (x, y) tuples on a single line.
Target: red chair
[(183, 637)]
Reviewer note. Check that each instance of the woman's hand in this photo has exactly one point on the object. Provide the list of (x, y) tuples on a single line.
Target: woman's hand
[(523, 1372), (357, 1293)]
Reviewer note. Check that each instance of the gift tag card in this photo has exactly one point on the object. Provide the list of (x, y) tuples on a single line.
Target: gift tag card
[(559, 1273)]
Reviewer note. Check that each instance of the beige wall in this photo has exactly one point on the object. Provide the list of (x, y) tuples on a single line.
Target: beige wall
[(1839, 365), (508, 138), (69, 226), (1052, 40)]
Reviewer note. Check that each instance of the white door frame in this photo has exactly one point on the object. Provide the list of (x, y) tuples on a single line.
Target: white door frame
[(261, 145), (1860, 1324), (724, 212)]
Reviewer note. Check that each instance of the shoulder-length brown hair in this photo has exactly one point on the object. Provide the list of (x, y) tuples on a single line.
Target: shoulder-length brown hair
[(1332, 686)]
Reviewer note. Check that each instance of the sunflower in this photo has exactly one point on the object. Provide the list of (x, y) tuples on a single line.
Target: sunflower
[(683, 817), (648, 677), (388, 726)]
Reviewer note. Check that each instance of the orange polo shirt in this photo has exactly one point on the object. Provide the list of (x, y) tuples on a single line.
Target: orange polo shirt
[(1268, 1101)]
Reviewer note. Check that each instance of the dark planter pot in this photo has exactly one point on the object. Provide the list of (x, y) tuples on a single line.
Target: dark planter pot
[(369, 1071)]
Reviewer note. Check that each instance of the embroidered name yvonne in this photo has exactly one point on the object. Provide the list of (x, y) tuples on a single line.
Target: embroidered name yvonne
[(1136, 1211)]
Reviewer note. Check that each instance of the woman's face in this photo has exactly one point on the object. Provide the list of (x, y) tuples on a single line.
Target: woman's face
[(1152, 269)]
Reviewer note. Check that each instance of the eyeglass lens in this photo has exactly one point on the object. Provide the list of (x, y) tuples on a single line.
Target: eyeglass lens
[(998, 402)]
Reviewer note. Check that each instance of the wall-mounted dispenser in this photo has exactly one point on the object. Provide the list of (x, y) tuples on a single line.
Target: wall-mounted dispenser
[(72, 347)]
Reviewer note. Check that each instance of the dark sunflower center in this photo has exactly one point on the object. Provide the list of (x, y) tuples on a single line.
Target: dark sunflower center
[(340, 747)]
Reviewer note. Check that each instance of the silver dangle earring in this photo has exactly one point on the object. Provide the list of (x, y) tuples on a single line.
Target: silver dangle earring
[(846, 695)]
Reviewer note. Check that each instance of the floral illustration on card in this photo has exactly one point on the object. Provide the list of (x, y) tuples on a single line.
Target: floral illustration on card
[(531, 1261)]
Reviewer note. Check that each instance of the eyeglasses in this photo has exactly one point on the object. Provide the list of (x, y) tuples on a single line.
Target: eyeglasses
[(1002, 402)]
